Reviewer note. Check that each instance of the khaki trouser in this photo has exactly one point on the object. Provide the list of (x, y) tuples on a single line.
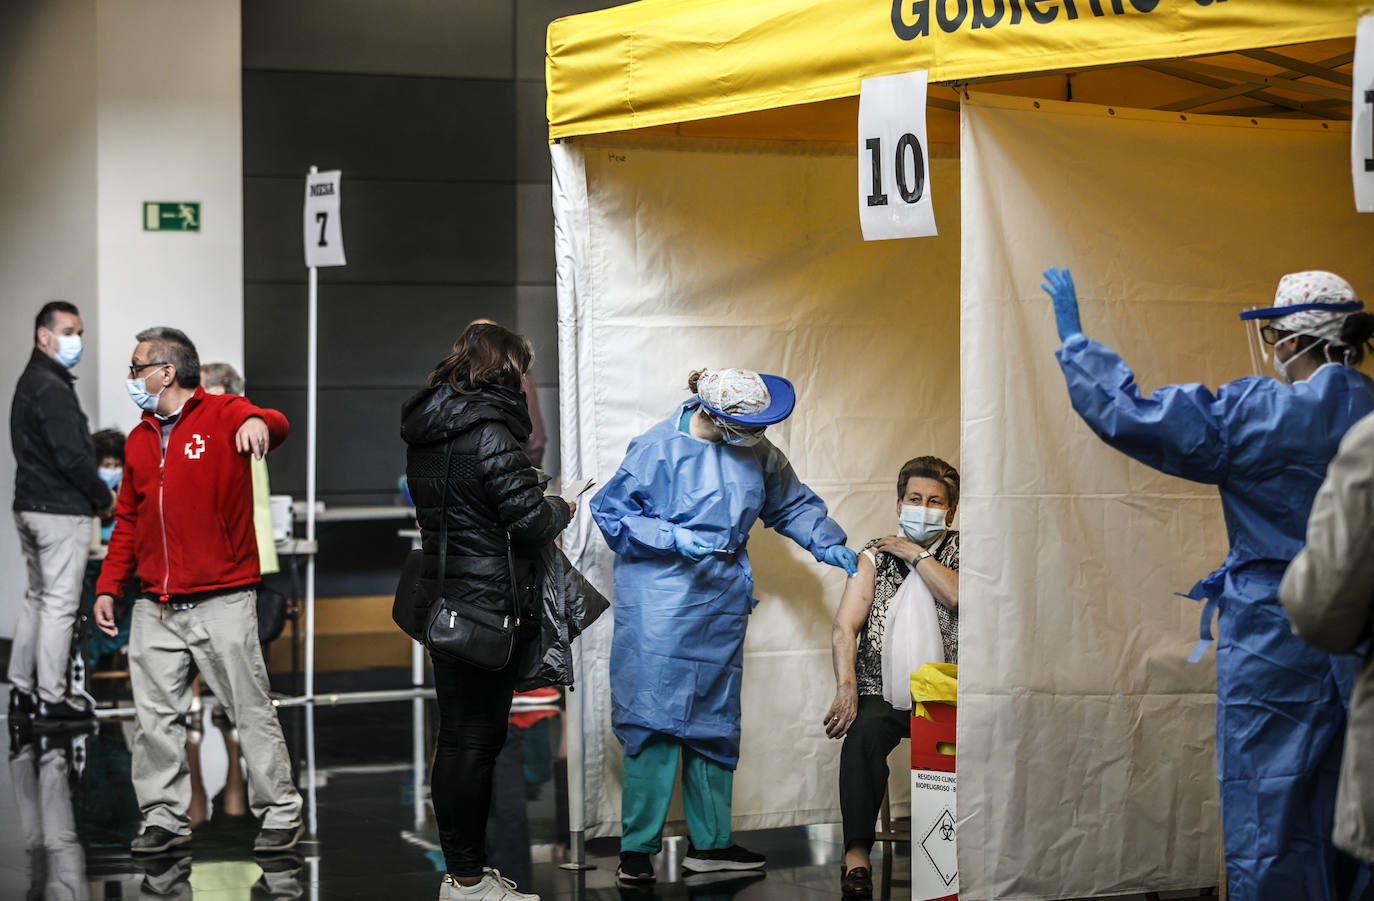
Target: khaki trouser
[(221, 635), (55, 547)]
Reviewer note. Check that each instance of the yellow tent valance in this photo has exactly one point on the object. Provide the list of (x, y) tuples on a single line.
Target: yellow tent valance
[(659, 62)]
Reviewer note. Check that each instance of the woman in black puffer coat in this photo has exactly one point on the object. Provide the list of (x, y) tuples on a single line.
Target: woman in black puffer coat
[(474, 408)]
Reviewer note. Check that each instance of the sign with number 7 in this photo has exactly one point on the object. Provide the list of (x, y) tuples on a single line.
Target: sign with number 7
[(323, 224), (894, 166)]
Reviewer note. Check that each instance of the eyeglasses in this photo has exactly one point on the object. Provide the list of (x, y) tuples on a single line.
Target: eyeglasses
[(1272, 335), (135, 368)]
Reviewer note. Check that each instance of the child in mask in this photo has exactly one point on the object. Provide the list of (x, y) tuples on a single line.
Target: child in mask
[(863, 713), (109, 454)]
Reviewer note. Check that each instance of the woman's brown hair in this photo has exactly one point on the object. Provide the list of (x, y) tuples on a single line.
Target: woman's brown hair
[(484, 354), (930, 468)]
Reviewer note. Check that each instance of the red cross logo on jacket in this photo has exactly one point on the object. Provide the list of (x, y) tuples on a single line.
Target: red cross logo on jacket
[(199, 444)]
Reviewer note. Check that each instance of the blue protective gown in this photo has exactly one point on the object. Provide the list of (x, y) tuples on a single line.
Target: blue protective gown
[(677, 655), (1280, 703)]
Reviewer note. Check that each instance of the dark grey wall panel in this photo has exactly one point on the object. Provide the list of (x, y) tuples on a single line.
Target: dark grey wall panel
[(370, 335), (378, 126), (360, 450), (393, 231), (411, 37)]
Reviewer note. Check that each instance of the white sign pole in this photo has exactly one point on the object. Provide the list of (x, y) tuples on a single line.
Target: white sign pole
[(894, 158), (1362, 116), (323, 238), (311, 390)]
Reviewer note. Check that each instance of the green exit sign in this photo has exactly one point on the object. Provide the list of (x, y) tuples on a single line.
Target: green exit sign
[(171, 216)]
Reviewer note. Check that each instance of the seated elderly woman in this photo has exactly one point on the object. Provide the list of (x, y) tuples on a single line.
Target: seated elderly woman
[(869, 714)]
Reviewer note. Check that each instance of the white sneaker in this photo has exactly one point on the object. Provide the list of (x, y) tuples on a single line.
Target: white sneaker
[(493, 887)]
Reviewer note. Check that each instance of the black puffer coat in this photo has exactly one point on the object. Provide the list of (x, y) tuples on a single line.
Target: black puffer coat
[(492, 492)]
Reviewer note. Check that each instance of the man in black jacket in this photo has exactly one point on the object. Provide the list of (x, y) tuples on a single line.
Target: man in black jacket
[(57, 491)]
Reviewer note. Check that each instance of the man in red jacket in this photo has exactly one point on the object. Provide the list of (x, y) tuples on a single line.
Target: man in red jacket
[(184, 521)]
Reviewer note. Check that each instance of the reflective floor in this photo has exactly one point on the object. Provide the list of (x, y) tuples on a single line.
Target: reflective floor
[(67, 812)]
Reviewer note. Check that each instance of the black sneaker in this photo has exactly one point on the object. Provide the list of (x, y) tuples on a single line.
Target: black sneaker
[(21, 703), (731, 858), (635, 866), (61, 714), (275, 841), (155, 840)]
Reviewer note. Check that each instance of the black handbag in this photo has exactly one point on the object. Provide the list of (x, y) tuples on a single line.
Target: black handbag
[(465, 632)]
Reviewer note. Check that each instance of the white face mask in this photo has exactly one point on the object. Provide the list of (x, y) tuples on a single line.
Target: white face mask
[(922, 524), (1281, 366), (68, 350)]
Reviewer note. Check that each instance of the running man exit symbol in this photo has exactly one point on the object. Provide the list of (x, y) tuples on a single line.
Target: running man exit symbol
[(171, 216)]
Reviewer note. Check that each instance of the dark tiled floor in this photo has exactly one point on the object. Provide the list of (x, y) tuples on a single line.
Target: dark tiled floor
[(371, 837)]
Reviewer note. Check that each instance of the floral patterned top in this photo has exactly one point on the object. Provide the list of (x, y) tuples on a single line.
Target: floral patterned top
[(889, 571)]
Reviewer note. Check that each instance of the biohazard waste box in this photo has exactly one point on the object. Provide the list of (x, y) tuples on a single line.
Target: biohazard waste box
[(934, 861)]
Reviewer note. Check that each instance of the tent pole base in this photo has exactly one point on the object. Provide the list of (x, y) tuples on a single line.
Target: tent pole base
[(577, 853)]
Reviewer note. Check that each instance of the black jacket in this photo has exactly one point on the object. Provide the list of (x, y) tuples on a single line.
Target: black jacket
[(493, 492), (54, 457)]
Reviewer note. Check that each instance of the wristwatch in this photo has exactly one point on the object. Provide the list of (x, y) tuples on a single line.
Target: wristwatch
[(921, 556)]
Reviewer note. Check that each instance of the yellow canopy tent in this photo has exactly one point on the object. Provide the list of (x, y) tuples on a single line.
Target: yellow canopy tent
[(1180, 155), (788, 70)]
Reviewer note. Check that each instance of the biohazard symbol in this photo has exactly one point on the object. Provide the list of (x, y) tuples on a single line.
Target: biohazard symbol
[(947, 831), (199, 444)]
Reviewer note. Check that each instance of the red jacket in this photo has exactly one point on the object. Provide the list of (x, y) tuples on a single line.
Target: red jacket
[(186, 522)]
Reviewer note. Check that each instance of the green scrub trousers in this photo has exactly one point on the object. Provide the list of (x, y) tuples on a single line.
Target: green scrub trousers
[(648, 787)]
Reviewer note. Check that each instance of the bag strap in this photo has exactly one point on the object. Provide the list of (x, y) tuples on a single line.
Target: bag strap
[(510, 562), (443, 523)]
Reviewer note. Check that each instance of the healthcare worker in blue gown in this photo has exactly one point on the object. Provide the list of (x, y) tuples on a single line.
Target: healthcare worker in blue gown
[(1265, 444), (677, 514)]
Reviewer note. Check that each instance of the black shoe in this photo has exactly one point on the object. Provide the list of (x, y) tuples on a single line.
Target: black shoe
[(731, 858), (274, 841), (21, 703), (21, 734), (635, 866), (857, 883), (155, 840), (61, 714)]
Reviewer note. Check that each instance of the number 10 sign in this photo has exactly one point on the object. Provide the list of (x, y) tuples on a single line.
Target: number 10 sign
[(894, 169)]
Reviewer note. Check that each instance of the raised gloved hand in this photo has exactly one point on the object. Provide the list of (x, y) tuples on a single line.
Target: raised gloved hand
[(690, 545), (1058, 285), (843, 557)]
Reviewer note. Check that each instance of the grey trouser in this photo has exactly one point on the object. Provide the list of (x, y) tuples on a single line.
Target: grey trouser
[(44, 797), (221, 635), (55, 547)]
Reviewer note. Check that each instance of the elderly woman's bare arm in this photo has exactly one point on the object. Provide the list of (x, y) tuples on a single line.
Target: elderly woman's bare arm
[(855, 603)]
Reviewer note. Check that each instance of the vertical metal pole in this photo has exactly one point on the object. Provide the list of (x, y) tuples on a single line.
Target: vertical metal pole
[(312, 779), (312, 367), (577, 789), (417, 737)]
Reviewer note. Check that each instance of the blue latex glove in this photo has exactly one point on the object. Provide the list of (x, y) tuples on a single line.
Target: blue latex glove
[(843, 557), (689, 545), (1058, 285)]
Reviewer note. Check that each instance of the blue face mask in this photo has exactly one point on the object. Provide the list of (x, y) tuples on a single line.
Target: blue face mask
[(68, 350), (138, 393), (111, 476), (922, 524), (737, 435)]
